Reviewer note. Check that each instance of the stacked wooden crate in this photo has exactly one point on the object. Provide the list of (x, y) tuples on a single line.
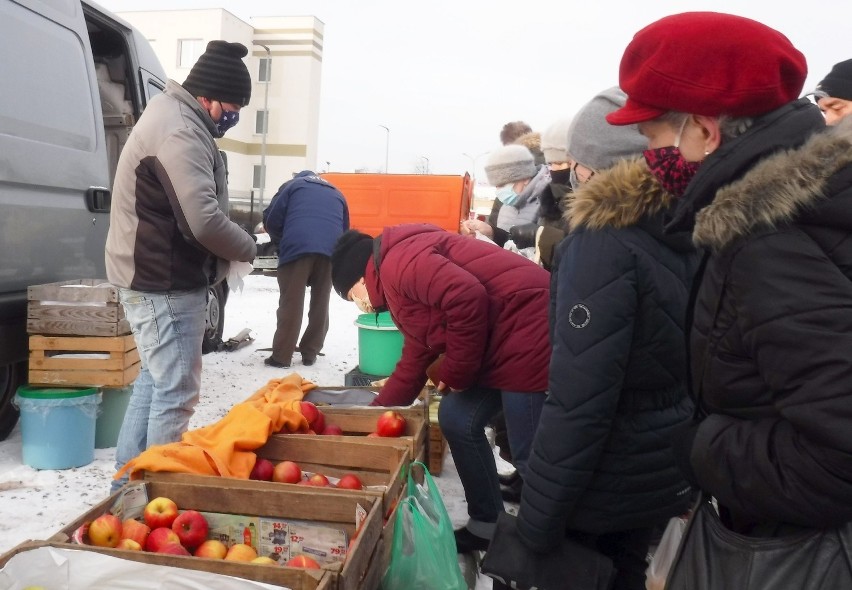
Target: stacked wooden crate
[(78, 335), (437, 443)]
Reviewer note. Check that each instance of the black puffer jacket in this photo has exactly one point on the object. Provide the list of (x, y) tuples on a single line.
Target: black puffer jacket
[(601, 460), (771, 342)]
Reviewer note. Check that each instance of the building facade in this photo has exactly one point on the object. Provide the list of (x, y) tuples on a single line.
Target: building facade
[(285, 62)]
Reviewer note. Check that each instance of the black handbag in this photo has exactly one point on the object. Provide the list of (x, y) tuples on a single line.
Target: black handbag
[(570, 566), (713, 557)]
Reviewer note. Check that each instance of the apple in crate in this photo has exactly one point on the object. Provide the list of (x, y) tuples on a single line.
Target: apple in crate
[(303, 561), (315, 418), (135, 531), (191, 528), (173, 549), (264, 559), (160, 536), (390, 424), (318, 480), (262, 470), (212, 548), (160, 512), (287, 472), (241, 552), (129, 545), (105, 531), (332, 430), (350, 481)]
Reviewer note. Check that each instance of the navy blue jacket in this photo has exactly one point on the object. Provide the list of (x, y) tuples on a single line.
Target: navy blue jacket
[(601, 459), (306, 216)]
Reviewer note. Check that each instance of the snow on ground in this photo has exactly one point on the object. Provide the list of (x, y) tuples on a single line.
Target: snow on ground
[(35, 504)]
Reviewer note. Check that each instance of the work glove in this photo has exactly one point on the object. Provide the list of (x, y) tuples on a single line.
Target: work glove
[(523, 235)]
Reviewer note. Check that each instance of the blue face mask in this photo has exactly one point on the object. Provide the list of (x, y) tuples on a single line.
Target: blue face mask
[(507, 195), (226, 121)]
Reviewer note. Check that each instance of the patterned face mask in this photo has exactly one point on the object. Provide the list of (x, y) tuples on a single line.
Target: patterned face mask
[(226, 121), (363, 304), (669, 166)]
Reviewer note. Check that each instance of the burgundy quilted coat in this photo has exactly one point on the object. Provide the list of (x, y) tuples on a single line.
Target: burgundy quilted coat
[(483, 306)]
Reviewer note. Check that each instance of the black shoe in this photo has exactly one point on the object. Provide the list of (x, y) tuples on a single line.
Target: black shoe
[(467, 541), (308, 361), (271, 362), (507, 480)]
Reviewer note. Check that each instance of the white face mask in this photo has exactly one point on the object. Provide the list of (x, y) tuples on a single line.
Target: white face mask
[(363, 304)]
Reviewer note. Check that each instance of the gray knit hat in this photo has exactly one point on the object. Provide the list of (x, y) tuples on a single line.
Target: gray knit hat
[(596, 144), (508, 164), (220, 74), (554, 142)]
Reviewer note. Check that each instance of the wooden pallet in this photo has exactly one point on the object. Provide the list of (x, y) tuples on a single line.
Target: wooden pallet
[(83, 307), (83, 360)]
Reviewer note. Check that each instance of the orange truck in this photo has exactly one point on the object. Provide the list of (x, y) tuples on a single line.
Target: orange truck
[(379, 200)]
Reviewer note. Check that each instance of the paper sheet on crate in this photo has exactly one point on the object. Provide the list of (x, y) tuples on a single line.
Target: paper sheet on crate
[(53, 567)]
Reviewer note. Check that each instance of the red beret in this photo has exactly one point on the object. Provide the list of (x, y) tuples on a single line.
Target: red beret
[(707, 63)]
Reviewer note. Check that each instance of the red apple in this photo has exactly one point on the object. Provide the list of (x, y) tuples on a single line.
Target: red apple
[(318, 425), (159, 537), (390, 423), (287, 472), (160, 512), (333, 430), (241, 552), (373, 435), (303, 482), (213, 549), (309, 411), (191, 528), (129, 545), (303, 561), (173, 549), (350, 482), (265, 560), (105, 531), (134, 530), (318, 480), (262, 470)]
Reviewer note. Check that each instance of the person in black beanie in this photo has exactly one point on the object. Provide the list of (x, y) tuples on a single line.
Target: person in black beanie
[(834, 94), (170, 239)]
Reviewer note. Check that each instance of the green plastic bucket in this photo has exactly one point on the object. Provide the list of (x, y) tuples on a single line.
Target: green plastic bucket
[(113, 407), (379, 344), (57, 426)]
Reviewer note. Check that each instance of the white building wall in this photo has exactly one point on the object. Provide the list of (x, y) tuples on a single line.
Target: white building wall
[(295, 45)]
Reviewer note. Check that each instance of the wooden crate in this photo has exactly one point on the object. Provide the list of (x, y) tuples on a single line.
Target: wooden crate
[(358, 422), (118, 363), (233, 497), (84, 307), (380, 467), (437, 449)]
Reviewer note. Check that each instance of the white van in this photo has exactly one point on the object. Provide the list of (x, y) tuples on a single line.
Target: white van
[(75, 78)]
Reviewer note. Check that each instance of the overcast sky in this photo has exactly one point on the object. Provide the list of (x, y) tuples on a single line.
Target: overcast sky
[(444, 76)]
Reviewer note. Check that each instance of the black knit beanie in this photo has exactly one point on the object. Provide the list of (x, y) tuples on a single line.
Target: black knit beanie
[(349, 260), (838, 83), (220, 74)]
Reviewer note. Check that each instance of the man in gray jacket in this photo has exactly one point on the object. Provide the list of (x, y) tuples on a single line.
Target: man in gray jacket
[(170, 238)]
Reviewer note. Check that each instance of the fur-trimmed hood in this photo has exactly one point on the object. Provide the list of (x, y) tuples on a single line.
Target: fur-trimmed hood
[(777, 190), (619, 197)]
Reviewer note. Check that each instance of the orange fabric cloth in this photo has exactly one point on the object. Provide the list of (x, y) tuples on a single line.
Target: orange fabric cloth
[(226, 447)]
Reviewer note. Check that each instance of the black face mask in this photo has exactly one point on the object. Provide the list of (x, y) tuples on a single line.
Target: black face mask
[(560, 176)]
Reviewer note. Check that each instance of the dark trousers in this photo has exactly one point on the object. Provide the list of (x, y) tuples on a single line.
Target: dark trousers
[(314, 271), (628, 551)]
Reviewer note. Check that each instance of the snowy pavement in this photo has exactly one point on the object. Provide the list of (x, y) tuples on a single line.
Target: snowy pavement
[(35, 504)]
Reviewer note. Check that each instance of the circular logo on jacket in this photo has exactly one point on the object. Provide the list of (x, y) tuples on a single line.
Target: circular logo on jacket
[(579, 316)]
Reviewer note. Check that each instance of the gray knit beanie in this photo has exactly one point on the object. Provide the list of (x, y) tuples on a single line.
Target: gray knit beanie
[(596, 144), (554, 142), (509, 164)]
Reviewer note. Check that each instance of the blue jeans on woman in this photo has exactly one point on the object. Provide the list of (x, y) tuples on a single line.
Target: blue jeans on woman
[(463, 416), (168, 329)]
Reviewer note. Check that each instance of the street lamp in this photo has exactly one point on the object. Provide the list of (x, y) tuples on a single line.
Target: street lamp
[(265, 121), (427, 163), (473, 161), (387, 145)]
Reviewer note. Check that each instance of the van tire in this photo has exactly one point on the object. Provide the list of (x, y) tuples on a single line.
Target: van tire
[(214, 319), (12, 376)]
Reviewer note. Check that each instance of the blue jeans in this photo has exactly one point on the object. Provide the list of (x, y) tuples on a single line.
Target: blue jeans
[(463, 416), (168, 329)]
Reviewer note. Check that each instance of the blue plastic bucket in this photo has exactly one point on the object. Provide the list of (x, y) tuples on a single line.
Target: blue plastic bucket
[(111, 415), (58, 426)]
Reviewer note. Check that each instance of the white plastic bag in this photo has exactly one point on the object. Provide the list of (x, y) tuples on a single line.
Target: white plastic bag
[(658, 570)]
